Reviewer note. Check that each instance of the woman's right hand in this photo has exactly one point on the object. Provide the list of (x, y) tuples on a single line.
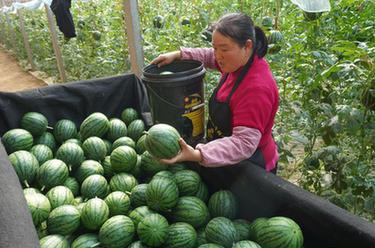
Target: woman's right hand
[(166, 58)]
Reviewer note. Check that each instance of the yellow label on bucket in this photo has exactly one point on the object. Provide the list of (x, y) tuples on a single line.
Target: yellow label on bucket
[(194, 110)]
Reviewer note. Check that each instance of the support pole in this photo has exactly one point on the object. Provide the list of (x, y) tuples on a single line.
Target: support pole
[(26, 40)]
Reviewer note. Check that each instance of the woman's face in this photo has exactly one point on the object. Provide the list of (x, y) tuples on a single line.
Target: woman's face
[(228, 54)]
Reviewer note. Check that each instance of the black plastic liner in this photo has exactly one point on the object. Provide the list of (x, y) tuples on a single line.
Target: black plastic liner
[(260, 194)]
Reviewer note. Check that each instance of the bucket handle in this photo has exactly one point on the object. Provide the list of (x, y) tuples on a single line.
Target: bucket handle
[(174, 105)]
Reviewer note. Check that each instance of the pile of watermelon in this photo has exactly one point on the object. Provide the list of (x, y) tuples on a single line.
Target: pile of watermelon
[(102, 185)]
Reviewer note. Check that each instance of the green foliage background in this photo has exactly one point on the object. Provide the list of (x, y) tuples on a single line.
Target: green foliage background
[(325, 134)]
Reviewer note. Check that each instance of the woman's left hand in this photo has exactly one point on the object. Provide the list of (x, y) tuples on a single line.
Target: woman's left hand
[(187, 153)]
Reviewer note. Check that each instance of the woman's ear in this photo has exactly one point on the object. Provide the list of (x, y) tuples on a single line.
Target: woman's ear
[(249, 45)]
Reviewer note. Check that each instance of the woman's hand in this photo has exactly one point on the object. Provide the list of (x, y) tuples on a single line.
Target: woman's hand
[(166, 58), (187, 153)]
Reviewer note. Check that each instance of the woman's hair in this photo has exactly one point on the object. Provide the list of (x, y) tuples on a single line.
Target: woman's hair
[(240, 28)]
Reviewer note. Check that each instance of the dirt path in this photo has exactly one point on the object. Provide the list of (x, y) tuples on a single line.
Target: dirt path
[(13, 78)]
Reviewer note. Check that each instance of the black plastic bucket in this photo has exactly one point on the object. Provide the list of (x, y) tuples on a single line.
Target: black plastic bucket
[(177, 98)]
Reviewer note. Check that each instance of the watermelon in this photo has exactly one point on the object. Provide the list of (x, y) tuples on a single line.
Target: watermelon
[(88, 168), (153, 230), (72, 154), (63, 220), (64, 130), (138, 195), (165, 173), (192, 210), (42, 230), (30, 191), (108, 146), (96, 124), (137, 244), (54, 241), (123, 182), (201, 236), (136, 171), (255, 226), (149, 165), (94, 213), (128, 115), (161, 194), (123, 159), (140, 146), (188, 182), (246, 244), (136, 129), (243, 228), (94, 186), (162, 141), (117, 129), (223, 203), (75, 141), (87, 240), (202, 192), (60, 195), (210, 245), (26, 166), (17, 139), (34, 122), (42, 153), (107, 167), (39, 207), (94, 148), (177, 167), (72, 184), (139, 213), (181, 235), (52, 173), (280, 231), (118, 203), (123, 141), (46, 139), (220, 230), (267, 22), (275, 37), (117, 232)]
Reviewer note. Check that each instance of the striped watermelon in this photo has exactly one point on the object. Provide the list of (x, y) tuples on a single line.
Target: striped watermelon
[(161, 194), (88, 168), (255, 226), (153, 230), (72, 184), (162, 141), (187, 182), (136, 129), (96, 124), (243, 228), (64, 130), (210, 245), (167, 174), (181, 235), (17, 139), (107, 167), (60, 195), (201, 236), (39, 207), (52, 173), (123, 182), (94, 213), (150, 165), (246, 244), (192, 210), (220, 230), (137, 244), (118, 203), (117, 232), (138, 195), (123, 159), (223, 203), (140, 145), (42, 153), (117, 129), (136, 171), (275, 37), (94, 148), (139, 213), (128, 115), (72, 154), (26, 166), (30, 191), (280, 231), (177, 167), (63, 220), (94, 186), (108, 146), (54, 241), (75, 141), (46, 139), (123, 141), (34, 122), (202, 192), (87, 240)]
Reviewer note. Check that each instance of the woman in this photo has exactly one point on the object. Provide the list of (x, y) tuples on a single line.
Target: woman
[(242, 108)]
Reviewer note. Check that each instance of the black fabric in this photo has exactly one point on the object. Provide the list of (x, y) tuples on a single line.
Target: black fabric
[(64, 19), (260, 194)]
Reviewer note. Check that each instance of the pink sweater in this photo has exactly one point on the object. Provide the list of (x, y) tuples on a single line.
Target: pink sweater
[(244, 140)]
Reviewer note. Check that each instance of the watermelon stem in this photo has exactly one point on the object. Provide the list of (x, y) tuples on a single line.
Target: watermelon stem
[(95, 245), (50, 128), (26, 184), (128, 193)]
